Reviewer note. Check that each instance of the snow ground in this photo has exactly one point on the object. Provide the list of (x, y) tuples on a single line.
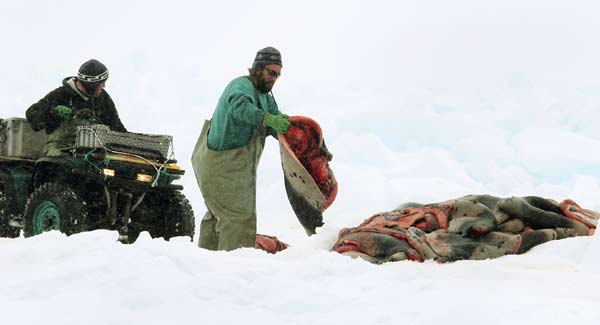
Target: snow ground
[(52, 279), (418, 100)]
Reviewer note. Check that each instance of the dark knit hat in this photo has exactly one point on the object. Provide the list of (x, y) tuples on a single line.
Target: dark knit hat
[(92, 71), (268, 55), (92, 74)]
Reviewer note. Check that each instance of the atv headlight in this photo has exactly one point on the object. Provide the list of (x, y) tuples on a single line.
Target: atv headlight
[(173, 167), (144, 178), (108, 172)]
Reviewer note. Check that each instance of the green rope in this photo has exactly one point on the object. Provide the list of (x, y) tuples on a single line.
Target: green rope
[(107, 160), (85, 157)]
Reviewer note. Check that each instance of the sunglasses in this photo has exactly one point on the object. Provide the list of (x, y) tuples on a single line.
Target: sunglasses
[(273, 73)]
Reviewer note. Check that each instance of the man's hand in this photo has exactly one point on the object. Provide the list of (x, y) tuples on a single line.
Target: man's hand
[(64, 112), (279, 122)]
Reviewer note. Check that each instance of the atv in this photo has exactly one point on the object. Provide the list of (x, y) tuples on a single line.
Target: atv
[(108, 180)]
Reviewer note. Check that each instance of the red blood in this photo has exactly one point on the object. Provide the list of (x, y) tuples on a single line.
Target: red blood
[(319, 169), (297, 139), (305, 138)]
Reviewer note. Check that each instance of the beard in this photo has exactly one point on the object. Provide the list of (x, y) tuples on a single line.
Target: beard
[(262, 85)]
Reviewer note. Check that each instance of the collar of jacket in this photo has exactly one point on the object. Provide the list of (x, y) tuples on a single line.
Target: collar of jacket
[(69, 83)]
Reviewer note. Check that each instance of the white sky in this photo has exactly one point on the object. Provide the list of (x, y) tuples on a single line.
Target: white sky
[(452, 97)]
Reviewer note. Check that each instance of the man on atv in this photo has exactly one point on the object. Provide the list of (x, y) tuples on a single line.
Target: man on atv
[(80, 100)]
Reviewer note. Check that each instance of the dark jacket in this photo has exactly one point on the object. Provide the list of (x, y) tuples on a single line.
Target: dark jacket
[(41, 116)]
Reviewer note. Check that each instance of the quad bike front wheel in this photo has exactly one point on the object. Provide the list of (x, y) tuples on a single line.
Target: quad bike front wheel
[(163, 214), (54, 206)]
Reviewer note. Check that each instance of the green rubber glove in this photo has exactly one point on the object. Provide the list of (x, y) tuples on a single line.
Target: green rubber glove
[(279, 122), (64, 112)]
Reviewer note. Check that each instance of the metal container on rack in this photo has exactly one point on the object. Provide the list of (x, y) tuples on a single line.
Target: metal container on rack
[(18, 140)]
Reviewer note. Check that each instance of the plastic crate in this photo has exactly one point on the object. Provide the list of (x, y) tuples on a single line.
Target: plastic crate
[(18, 140), (147, 145)]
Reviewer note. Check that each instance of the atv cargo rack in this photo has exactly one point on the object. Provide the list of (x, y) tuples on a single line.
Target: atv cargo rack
[(159, 147)]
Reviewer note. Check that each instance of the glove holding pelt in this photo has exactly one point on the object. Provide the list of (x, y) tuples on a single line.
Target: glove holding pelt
[(278, 122)]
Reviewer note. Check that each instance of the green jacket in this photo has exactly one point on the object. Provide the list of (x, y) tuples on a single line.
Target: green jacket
[(241, 109)]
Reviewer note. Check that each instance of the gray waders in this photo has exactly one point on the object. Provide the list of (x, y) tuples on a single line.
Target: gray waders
[(64, 136), (227, 180)]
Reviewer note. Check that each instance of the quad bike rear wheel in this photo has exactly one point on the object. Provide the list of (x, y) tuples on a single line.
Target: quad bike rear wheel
[(6, 230)]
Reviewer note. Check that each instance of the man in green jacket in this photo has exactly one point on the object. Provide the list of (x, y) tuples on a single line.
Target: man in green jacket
[(228, 152)]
